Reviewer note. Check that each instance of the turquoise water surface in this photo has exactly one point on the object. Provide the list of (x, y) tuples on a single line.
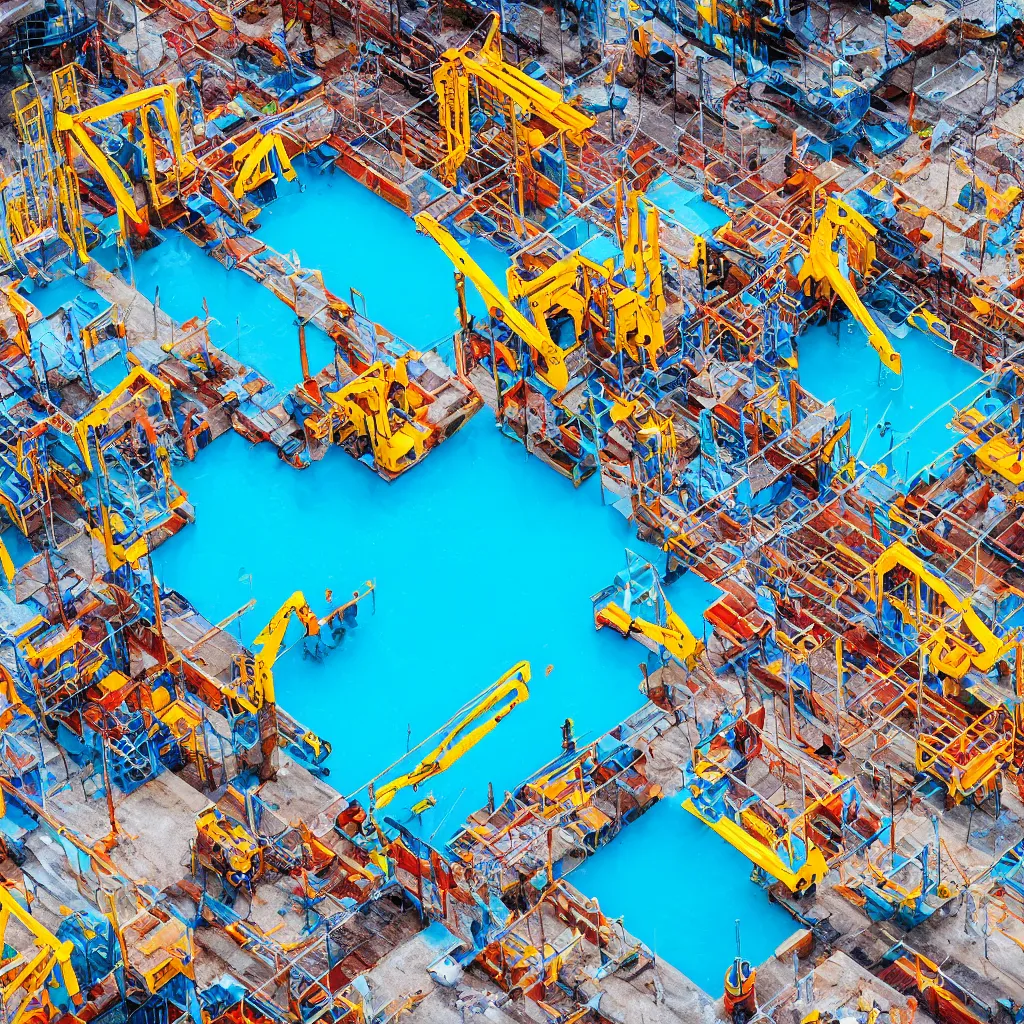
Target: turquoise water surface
[(482, 557), (251, 323), (837, 362), (355, 238), (50, 297), (681, 889), (360, 241)]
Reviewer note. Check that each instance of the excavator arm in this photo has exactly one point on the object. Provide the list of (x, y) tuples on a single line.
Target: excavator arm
[(550, 358), (451, 81), (825, 263), (267, 646), (73, 126), (109, 173), (133, 102), (464, 733), (674, 636), (642, 250), (252, 160), (992, 648)]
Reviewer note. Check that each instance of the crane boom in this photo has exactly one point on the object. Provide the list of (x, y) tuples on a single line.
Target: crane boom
[(257, 678), (497, 701), (451, 80), (550, 358), (267, 646), (826, 262)]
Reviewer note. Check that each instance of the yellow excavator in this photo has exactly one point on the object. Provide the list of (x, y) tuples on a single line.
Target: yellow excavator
[(948, 652), (587, 291), (493, 76), (592, 293), (464, 733), (252, 162), (365, 406), (72, 126), (831, 263), (255, 691), (762, 833), (548, 356), (137, 380), (675, 636), (39, 983)]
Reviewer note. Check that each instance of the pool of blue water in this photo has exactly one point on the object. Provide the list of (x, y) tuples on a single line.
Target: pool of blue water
[(17, 546), (249, 322), (361, 242), (50, 297), (482, 556), (355, 238), (681, 889), (903, 419), (685, 207)]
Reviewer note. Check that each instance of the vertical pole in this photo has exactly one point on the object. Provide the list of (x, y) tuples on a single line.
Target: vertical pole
[(892, 821), (840, 699), (463, 336)]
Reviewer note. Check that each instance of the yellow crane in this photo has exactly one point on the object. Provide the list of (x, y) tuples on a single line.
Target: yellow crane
[(34, 981), (159, 101), (255, 693), (464, 733), (548, 356), (948, 652), (825, 264), (137, 381), (593, 295), (366, 407), (496, 78)]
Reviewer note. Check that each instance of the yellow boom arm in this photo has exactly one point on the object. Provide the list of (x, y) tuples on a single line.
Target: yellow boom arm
[(451, 80), (550, 358), (642, 250), (267, 646), (674, 636), (761, 851), (99, 415), (252, 160), (28, 978), (822, 264), (511, 689), (74, 126), (948, 653), (108, 172)]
